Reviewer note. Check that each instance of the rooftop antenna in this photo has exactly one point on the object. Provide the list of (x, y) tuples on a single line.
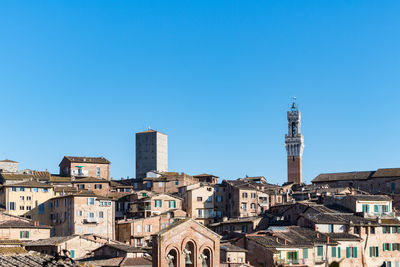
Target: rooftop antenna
[(148, 127)]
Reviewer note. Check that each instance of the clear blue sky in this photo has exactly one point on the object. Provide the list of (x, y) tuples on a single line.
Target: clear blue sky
[(81, 77)]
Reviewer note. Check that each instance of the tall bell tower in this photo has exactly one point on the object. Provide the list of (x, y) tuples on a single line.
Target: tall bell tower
[(294, 143)]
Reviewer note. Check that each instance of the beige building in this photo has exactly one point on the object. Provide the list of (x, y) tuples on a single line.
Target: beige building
[(82, 213), (231, 254), (199, 203), (27, 199), (7, 165), (13, 227), (77, 245), (153, 204)]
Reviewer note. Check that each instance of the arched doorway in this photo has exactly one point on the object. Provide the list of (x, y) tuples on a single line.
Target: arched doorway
[(205, 257), (172, 258)]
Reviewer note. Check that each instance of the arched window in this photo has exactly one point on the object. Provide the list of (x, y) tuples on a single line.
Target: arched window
[(172, 258), (189, 255), (205, 258)]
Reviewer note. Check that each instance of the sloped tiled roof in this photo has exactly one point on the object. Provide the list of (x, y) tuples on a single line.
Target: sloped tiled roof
[(90, 180), (53, 241), (387, 173), (8, 160), (21, 223), (342, 176), (32, 183), (99, 160)]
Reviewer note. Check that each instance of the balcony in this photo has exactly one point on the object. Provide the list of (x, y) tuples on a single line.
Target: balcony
[(90, 220), (80, 173)]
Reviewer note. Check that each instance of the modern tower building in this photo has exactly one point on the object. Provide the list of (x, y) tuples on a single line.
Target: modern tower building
[(294, 144), (151, 152)]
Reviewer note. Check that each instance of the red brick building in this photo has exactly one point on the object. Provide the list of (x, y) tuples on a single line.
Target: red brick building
[(98, 167), (186, 243)]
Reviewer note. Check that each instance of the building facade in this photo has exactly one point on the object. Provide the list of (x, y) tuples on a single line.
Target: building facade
[(151, 152), (81, 167)]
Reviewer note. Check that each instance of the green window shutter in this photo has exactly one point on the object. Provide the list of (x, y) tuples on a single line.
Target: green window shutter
[(347, 252), (72, 253), (377, 251), (305, 253), (355, 252), (174, 204), (389, 230), (27, 234), (389, 247), (295, 255), (376, 208), (367, 208), (20, 234), (338, 252), (333, 252), (370, 251), (160, 203)]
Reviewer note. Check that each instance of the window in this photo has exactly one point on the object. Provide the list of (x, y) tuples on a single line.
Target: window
[(356, 230), (72, 253), (200, 213), (172, 204), (176, 182), (387, 264), (253, 195), (387, 247), (209, 199), (98, 186), (351, 252), (146, 228), (244, 195), (320, 251), (45, 190), (305, 253), (135, 185), (22, 207), (219, 214), (385, 208), (98, 171), (101, 214), (231, 228), (14, 189), (243, 206), (22, 189), (28, 208), (150, 228), (79, 213), (160, 184), (21, 198), (28, 198), (244, 228), (199, 199), (330, 228), (138, 228), (12, 206), (386, 229), (253, 206), (333, 252), (34, 189), (158, 203), (81, 186), (219, 199), (24, 234), (365, 208), (216, 189), (90, 214), (91, 201), (373, 252), (149, 184), (372, 230)]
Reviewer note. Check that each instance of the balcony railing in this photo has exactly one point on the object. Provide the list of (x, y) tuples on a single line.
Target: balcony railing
[(90, 220)]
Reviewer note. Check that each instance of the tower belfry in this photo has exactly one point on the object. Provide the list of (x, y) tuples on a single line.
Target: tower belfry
[(294, 143)]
